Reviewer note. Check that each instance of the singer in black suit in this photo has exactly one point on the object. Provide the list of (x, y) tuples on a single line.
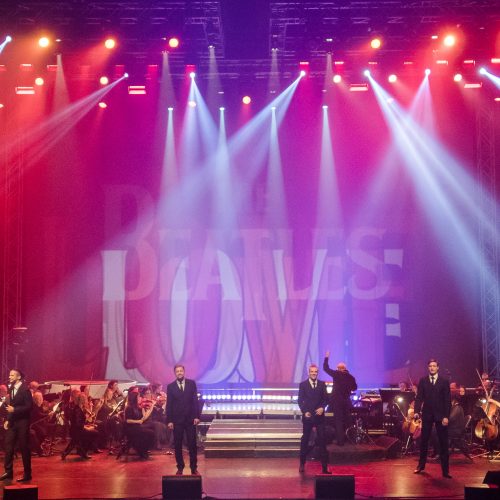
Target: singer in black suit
[(312, 401), (183, 415), (434, 399), (18, 430)]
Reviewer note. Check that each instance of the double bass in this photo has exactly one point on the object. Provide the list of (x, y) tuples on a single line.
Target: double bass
[(487, 427)]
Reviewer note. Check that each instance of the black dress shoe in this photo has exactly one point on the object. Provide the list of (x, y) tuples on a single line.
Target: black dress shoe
[(301, 468), (23, 479), (418, 470), (325, 471), (195, 472), (6, 475), (179, 472)]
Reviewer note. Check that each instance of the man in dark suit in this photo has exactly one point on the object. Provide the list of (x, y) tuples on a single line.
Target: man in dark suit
[(343, 384), (312, 401), (18, 422), (434, 399), (183, 415)]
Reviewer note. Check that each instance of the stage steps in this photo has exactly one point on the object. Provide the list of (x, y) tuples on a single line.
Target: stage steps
[(243, 438)]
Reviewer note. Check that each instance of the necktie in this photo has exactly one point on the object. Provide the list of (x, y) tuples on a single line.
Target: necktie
[(432, 379), (182, 386), (314, 384)]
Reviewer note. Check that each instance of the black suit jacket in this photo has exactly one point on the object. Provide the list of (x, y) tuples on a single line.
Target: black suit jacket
[(434, 400), (311, 399), (22, 403), (182, 406)]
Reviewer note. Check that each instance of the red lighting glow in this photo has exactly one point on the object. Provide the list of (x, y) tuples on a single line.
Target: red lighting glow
[(25, 90), (102, 105), (246, 99), (337, 79), (39, 81), (376, 43), (457, 77), (304, 68), (137, 90), (104, 80), (110, 43), (44, 42), (358, 87), (449, 40), (473, 85), (173, 43), (392, 78)]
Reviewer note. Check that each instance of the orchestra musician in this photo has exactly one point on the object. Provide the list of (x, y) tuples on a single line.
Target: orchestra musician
[(18, 426), (434, 400), (343, 384), (140, 435)]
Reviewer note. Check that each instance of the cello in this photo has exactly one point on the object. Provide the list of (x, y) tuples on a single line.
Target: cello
[(487, 427)]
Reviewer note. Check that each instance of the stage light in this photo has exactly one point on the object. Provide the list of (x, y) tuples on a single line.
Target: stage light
[(399, 399), (170, 109), (302, 72), (273, 108), (1, 105), (104, 80), (222, 109), (137, 89), (325, 107), (457, 77), (442, 62), (44, 42), (173, 43), (475, 85), (434, 37), (366, 72), (192, 104), (376, 43), (110, 43), (358, 87), (125, 75), (392, 78), (482, 71), (427, 72), (337, 79), (39, 81), (246, 99), (495, 60), (192, 75), (25, 90), (8, 38), (449, 40), (497, 99), (102, 105), (304, 68)]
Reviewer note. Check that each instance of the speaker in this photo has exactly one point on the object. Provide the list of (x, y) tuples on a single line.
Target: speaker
[(392, 445), (334, 487), (181, 487), (21, 492), (480, 492), (492, 477)]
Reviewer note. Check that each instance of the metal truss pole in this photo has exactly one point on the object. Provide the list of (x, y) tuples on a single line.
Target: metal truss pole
[(12, 247), (488, 239)]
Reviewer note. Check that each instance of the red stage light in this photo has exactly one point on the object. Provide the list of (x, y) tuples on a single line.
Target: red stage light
[(449, 40), (246, 99), (39, 81), (104, 80), (495, 60), (358, 87), (376, 43), (137, 89), (1, 105), (473, 85), (337, 79), (173, 43), (43, 42), (25, 90), (103, 105), (110, 43), (457, 77), (392, 78), (304, 68)]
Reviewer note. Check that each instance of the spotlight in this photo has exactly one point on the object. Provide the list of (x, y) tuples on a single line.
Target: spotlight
[(103, 105), (1, 105), (376, 43), (449, 40), (457, 77), (482, 71), (173, 43), (110, 43), (304, 68), (222, 108), (427, 72), (104, 80), (170, 109), (325, 107), (366, 72), (192, 75), (125, 75), (192, 104), (246, 99), (337, 79), (392, 78), (8, 38), (273, 108), (302, 72), (44, 42), (39, 81)]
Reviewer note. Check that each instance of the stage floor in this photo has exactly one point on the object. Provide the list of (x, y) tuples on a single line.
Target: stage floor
[(105, 477)]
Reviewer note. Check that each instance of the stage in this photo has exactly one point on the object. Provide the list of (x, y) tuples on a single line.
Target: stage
[(105, 477)]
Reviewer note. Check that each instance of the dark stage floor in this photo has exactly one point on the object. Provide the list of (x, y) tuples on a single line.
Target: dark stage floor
[(105, 477)]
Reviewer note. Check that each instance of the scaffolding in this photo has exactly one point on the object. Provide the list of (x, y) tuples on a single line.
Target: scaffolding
[(488, 239)]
